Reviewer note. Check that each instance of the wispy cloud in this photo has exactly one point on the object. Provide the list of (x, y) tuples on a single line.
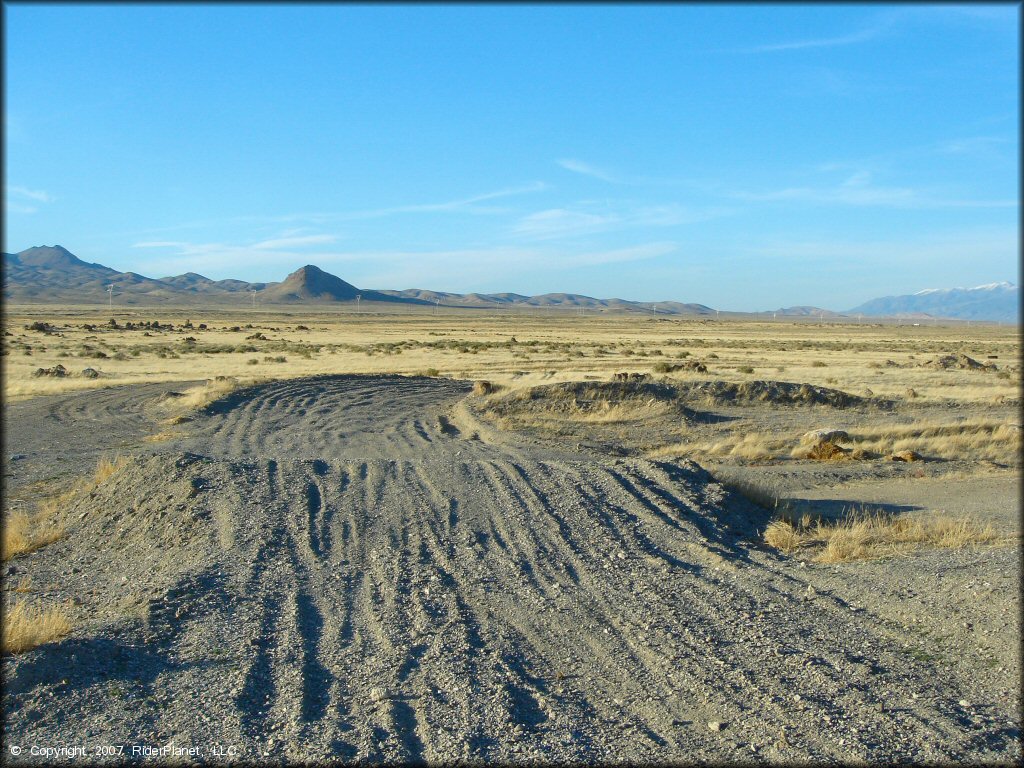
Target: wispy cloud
[(233, 259), (856, 37), (161, 244), (463, 205), (468, 205), (983, 147), (859, 190), (561, 222), (503, 266), (586, 169), (618, 255), (592, 218), (38, 195), (293, 242), (25, 200), (853, 38)]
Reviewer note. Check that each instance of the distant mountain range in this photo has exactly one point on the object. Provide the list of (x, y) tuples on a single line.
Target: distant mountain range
[(52, 274), (995, 301)]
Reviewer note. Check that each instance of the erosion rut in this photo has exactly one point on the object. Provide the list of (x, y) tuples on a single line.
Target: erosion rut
[(360, 574)]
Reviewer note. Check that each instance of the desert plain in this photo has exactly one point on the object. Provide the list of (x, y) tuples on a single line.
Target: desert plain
[(304, 535)]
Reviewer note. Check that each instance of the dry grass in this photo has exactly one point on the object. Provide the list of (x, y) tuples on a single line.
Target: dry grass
[(482, 387), (549, 344), (608, 413), (782, 535), (162, 437), (973, 439), (865, 534), (26, 628), (106, 468), (826, 451), (17, 535), (201, 396), (24, 533), (754, 492), (754, 446)]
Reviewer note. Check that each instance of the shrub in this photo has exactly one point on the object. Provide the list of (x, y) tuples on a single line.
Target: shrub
[(25, 628), (827, 451), (781, 535)]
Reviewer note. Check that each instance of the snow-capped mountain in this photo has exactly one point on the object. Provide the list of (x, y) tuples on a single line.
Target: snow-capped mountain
[(992, 301)]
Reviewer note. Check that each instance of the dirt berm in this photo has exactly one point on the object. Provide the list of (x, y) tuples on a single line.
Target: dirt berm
[(349, 568)]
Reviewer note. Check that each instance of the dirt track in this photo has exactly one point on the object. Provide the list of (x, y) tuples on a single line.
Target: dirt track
[(354, 568)]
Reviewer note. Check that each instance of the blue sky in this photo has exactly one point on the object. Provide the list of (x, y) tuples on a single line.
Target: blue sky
[(743, 156)]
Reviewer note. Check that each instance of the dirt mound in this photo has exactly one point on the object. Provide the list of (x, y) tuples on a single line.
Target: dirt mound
[(345, 576), (586, 396), (958, 362), (776, 393)]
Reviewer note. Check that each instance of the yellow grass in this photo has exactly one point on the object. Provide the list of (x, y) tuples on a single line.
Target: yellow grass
[(549, 345), (26, 628), (869, 534), (745, 445), (782, 535), (24, 533), (17, 535), (201, 396), (162, 437), (106, 468), (622, 412), (974, 438)]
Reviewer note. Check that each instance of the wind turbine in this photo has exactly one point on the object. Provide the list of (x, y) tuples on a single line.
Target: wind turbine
[(110, 296), (253, 292)]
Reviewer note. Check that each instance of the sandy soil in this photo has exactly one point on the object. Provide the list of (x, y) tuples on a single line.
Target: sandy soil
[(364, 568)]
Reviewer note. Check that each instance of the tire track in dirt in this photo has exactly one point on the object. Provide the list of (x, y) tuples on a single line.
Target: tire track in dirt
[(397, 592)]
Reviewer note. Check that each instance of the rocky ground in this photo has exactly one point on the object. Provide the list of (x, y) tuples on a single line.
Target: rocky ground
[(365, 569)]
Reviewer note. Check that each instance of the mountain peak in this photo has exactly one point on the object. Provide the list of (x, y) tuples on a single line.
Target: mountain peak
[(311, 282), (49, 256)]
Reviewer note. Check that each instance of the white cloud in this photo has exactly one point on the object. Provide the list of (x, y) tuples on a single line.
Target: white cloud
[(586, 169), (25, 200), (865, 35), (633, 253), (466, 270), (560, 222), (858, 189), (463, 205), (292, 242), (596, 216), (23, 193)]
